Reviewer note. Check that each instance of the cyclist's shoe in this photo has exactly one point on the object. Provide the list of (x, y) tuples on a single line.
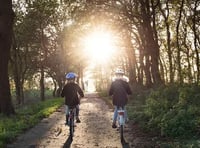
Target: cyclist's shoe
[(78, 120), (114, 125)]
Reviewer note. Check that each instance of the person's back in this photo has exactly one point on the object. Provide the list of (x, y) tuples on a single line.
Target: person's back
[(119, 91), (70, 92)]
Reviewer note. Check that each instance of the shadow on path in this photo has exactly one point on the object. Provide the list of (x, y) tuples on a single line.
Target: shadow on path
[(125, 144), (68, 142)]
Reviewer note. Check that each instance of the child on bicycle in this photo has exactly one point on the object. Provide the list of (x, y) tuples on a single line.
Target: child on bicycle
[(119, 91), (71, 92)]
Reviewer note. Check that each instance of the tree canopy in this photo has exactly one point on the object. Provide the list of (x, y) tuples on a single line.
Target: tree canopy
[(157, 42)]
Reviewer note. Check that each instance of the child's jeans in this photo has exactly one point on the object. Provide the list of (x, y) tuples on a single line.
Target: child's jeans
[(67, 110)]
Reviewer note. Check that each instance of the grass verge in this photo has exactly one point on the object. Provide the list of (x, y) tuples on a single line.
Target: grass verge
[(104, 96), (135, 108), (25, 118)]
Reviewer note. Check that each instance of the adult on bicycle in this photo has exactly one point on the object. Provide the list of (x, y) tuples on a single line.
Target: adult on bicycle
[(119, 90), (71, 92)]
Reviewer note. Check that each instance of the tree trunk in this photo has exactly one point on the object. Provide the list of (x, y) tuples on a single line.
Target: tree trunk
[(6, 24), (55, 88), (147, 71), (82, 82), (60, 86), (165, 14), (151, 41), (141, 68), (15, 63), (130, 51), (194, 21), (180, 75), (18, 74), (17, 88), (188, 58), (42, 88)]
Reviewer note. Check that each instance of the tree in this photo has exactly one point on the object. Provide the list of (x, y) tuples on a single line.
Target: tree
[(6, 19), (180, 75), (34, 49), (158, 40), (196, 39), (165, 11)]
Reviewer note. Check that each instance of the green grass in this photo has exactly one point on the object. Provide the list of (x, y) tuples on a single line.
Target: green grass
[(104, 96), (26, 118)]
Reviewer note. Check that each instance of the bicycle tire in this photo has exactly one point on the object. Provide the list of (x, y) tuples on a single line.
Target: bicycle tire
[(122, 133), (71, 128)]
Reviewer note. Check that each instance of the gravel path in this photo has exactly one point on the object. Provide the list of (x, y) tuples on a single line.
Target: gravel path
[(94, 131)]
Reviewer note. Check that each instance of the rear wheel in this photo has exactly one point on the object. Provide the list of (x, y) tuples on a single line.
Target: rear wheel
[(122, 133), (71, 128)]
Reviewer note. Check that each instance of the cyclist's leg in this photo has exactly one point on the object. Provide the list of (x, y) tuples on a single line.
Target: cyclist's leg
[(115, 117), (77, 110), (77, 114), (66, 113)]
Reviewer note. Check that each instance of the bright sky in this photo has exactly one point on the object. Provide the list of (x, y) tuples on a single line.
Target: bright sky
[(99, 46)]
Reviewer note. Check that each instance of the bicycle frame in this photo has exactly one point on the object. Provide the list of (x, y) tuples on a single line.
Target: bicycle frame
[(121, 121), (121, 118), (71, 117)]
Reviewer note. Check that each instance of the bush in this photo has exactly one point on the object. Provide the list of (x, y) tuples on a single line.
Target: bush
[(172, 110), (178, 123)]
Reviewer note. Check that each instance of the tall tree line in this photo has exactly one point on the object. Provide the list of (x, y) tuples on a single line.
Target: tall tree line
[(161, 37), (159, 41)]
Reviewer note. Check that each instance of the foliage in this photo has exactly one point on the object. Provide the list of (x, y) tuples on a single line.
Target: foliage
[(25, 118), (52, 30), (104, 95), (172, 111), (35, 94), (31, 96)]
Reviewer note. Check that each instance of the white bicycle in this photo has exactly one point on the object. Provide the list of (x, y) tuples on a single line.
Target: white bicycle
[(121, 121)]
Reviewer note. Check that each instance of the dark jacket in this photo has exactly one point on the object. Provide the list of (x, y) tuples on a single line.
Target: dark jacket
[(70, 92), (119, 90)]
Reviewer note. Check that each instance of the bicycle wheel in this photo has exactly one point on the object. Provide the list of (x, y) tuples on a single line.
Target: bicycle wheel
[(122, 133), (71, 128)]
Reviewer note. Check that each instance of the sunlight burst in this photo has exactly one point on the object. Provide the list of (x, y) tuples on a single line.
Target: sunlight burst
[(99, 45)]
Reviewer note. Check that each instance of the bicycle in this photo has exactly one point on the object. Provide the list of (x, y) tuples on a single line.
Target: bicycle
[(71, 117), (121, 122)]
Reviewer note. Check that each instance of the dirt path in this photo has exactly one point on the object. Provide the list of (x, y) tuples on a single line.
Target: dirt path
[(94, 130)]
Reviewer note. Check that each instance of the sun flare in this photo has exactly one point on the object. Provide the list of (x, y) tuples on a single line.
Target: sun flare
[(99, 45)]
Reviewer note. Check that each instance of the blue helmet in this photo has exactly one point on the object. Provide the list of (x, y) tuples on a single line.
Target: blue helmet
[(71, 75)]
